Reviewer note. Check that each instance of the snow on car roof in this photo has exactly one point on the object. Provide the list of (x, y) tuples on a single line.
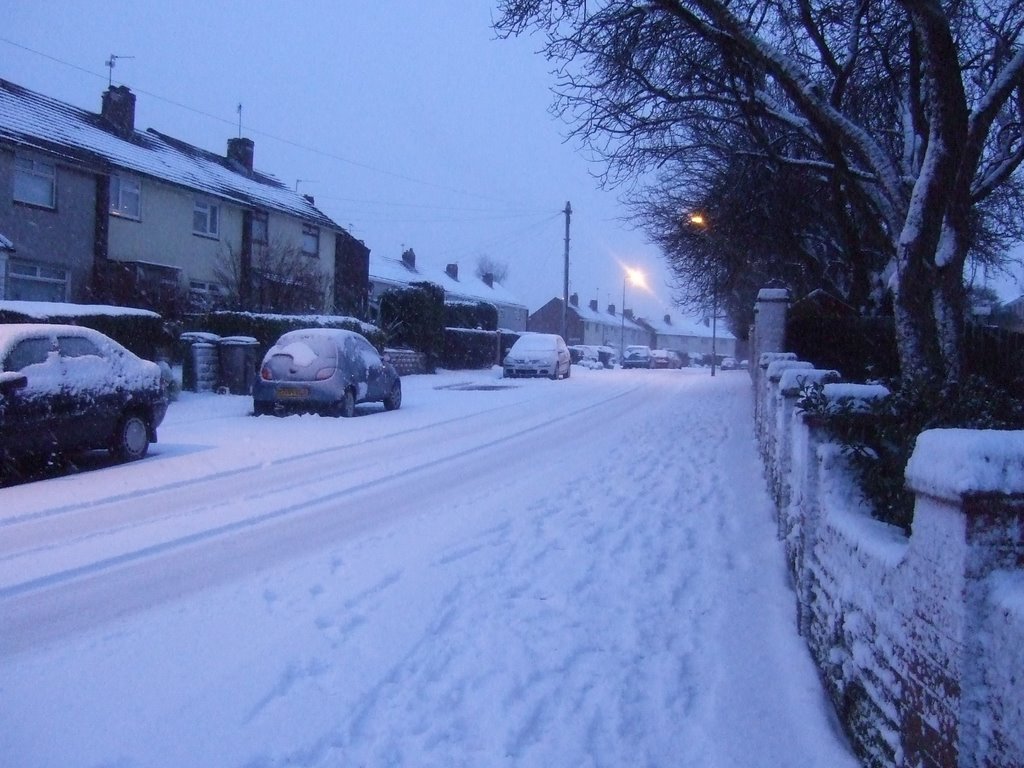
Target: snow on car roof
[(328, 332), (12, 333)]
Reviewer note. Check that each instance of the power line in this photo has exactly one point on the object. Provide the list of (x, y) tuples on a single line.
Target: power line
[(265, 134)]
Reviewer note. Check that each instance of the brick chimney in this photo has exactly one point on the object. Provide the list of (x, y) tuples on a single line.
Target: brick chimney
[(409, 258), (488, 279), (628, 313), (241, 151), (119, 110), (593, 305), (452, 270), (574, 299), (611, 310), (668, 320)]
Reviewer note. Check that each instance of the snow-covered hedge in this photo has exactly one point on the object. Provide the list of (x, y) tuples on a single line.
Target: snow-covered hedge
[(141, 331)]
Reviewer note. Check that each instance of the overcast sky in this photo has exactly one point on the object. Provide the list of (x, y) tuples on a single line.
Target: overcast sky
[(408, 121)]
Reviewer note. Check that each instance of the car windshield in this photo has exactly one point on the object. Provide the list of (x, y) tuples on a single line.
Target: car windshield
[(534, 344)]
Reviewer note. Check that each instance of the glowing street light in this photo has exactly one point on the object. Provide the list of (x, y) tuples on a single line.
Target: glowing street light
[(698, 220), (637, 278)]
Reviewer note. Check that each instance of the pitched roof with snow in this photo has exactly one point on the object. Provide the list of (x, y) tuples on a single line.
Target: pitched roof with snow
[(467, 287), (689, 326), (589, 315), (30, 119)]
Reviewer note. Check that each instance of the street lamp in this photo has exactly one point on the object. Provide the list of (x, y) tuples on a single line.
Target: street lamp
[(698, 220), (636, 277)]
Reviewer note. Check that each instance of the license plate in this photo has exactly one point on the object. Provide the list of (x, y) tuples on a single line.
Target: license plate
[(292, 392)]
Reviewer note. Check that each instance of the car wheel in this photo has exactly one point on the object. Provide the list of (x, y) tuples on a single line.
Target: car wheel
[(568, 370), (348, 404), (261, 408), (131, 441), (394, 400), (554, 373)]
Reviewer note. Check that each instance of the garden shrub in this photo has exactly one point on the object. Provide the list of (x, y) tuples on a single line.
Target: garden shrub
[(879, 436)]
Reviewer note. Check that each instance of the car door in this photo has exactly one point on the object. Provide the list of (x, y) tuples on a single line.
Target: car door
[(564, 359), (376, 379), (92, 398), (31, 413)]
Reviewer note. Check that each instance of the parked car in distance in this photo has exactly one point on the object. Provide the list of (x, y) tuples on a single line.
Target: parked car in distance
[(637, 356), (326, 371), (665, 358), (538, 354), (65, 388)]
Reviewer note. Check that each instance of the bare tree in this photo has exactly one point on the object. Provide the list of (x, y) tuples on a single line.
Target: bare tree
[(282, 278), (911, 109), (486, 265)]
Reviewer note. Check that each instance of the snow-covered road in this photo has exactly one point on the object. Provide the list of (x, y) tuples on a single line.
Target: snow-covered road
[(525, 573)]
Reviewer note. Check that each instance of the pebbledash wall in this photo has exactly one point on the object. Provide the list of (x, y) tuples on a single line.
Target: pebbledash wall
[(919, 639)]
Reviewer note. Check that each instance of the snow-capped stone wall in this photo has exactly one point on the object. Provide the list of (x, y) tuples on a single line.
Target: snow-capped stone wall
[(918, 638)]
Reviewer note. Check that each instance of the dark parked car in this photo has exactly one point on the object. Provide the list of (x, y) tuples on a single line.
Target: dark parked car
[(324, 370), (637, 356), (64, 388), (665, 358)]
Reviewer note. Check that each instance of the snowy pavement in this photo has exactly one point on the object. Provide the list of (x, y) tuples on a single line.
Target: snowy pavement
[(573, 573)]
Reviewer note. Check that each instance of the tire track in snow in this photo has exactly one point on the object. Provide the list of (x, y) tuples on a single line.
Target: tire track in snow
[(558, 563), (165, 572)]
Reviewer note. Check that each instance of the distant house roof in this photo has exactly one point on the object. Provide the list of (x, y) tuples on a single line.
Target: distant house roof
[(590, 315), (467, 287), (86, 138), (689, 327)]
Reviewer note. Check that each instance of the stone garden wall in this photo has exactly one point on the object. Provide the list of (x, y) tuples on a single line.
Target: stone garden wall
[(920, 638)]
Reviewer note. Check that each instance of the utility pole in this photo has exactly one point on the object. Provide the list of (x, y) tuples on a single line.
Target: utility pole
[(565, 281)]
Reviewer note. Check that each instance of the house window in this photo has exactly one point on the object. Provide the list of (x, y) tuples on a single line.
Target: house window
[(125, 197), (35, 182), (205, 295), (260, 228), (36, 282), (206, 219), (311, 240)]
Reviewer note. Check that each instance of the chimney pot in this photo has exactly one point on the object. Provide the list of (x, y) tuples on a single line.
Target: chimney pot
[(574, 299), (668, 320), (309, 199), (593, 304), (611, 309), (452, 270)]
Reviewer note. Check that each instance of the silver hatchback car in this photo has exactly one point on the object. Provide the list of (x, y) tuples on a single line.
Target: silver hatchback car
[(324, 370)]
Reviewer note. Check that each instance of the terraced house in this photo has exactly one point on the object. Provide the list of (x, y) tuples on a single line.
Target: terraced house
[(92, 209)]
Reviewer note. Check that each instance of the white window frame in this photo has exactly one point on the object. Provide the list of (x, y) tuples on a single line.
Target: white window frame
[(44, 274), (206, 219), (311, 236), (33, 175), (125, 197)]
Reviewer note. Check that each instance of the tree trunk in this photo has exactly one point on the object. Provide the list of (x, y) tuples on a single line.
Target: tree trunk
[(916, 332)]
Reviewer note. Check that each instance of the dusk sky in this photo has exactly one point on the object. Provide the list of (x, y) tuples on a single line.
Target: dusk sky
[(409, 122)]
